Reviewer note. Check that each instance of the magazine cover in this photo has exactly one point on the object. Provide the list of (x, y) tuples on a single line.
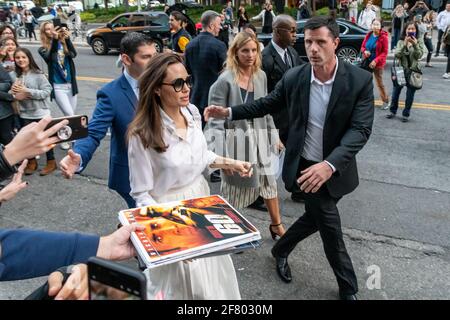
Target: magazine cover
[(188, 228)]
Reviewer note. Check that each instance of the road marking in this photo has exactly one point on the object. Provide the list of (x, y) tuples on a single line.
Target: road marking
[(94, 79), (418, 105)]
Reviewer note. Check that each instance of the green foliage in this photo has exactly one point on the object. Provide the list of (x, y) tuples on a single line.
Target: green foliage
[(105, 15)]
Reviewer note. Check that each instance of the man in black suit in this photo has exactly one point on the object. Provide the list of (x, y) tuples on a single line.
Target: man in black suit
[(278, 57), (331, 107), (205, 56)]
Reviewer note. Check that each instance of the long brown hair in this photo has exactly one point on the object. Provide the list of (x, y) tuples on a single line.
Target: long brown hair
[(46, 41), (33, 65), (147, 123)]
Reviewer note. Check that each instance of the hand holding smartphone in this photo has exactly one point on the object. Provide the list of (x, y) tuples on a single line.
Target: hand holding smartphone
[(77, 128), (113, 281)]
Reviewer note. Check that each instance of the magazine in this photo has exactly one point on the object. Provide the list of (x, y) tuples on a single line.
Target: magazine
[(189, 229)]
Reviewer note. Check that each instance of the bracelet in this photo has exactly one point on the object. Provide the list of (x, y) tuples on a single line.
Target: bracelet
[(6, 170)]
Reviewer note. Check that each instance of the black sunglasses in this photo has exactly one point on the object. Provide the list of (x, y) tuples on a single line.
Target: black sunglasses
[(178, 84)]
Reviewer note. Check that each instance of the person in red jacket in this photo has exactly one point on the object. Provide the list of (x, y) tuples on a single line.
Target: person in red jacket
[(375, 48)]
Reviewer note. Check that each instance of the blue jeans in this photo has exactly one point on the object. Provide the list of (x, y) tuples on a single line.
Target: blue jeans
[(396, 90), (395, 37), (128, 199)]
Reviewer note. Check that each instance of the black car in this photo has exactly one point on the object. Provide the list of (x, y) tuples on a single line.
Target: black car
[(155, 24), (351, 35)]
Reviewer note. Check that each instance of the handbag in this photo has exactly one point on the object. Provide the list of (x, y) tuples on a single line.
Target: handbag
[(414, 78), (362, 62), (398, 74)]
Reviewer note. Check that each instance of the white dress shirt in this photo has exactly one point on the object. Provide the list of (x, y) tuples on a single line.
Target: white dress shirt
[(134, 84), (319, 97), (281, 52), (154, 174), (443, 20)]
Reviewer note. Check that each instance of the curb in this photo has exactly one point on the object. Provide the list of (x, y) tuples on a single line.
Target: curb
[(34, 42)]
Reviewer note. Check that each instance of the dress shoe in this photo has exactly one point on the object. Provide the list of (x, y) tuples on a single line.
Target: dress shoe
[(215, 176), (49, 168), (390, 115), (297, 196), (31, 167), (348, 297), (283, 269), (258, 205)]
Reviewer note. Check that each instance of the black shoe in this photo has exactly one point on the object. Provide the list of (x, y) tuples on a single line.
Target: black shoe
[(390, 115), (215, 176), (298, 196), (347, 297), (258, 205), (283, 269), (405, 119)]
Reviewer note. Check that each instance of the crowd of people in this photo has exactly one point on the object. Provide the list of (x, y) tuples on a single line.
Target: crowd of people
[(227, 118)]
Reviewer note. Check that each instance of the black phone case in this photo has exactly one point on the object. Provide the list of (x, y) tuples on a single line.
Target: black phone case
[(103, 269), (77, 130)]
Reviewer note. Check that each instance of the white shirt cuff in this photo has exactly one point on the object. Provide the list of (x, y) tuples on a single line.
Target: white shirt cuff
[(230, 116), (332, 167)]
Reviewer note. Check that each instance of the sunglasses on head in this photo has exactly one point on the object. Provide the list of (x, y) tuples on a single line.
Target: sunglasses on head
[(178, 84)]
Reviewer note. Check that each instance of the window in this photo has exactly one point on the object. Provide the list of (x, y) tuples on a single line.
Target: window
[(160, 20), (343, 29), (121, 21), (300, 28), (137, 21)]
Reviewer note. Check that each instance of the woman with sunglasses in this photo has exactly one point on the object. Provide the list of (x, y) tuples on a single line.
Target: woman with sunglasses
[(167, 154), (250, 140)]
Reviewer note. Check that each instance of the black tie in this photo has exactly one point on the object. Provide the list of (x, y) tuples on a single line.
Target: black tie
[(287, 61)]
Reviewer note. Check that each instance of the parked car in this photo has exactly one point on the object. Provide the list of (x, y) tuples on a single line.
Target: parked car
[(351, 35), (154, 24), (154, 4)]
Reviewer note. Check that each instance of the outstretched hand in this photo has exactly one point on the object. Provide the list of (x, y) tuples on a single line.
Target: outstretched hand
[(244, 169), (218, 112), (32, 140), (10, 190), (70, 164)]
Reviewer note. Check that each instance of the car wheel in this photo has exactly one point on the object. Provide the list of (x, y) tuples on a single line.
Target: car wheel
[(347, 54), (99, 46), (159, 46)]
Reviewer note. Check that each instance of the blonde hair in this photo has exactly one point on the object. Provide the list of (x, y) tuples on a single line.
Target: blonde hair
[(241, 39), (46, 41)]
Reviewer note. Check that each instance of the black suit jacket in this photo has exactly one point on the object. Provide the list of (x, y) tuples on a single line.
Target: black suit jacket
[(275, 68), (348, 122), (204, 58)]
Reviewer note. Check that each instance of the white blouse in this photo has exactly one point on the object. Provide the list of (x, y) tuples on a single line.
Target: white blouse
[(154, 174)]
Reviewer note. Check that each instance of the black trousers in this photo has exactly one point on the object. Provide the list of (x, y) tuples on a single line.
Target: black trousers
[(6, 130), (321, 215)]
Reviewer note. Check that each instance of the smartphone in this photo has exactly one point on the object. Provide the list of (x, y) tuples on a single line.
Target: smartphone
[(113, 281), (412, 34), (77, 128), (56, 22)]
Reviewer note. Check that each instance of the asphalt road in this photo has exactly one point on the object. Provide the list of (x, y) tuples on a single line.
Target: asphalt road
[(397, 220)]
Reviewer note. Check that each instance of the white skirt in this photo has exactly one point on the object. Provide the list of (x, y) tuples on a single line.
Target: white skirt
[(212, 278)]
